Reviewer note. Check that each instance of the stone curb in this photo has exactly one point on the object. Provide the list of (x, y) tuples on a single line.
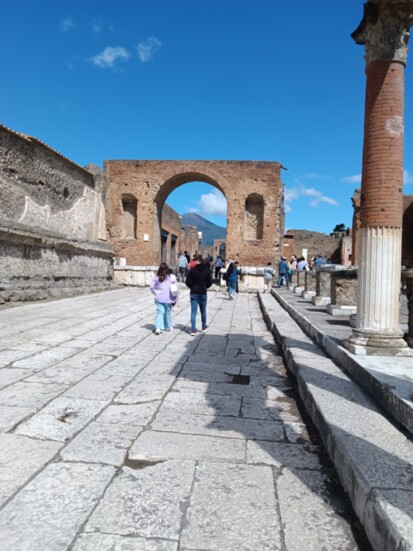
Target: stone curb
[(373, 459), (388, 395)]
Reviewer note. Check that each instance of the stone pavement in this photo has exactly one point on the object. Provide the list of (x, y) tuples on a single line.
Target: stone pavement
[(372, 454), (114, 439)]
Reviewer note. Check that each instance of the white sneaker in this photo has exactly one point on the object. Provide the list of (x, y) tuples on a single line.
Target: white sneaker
[(157, 331)]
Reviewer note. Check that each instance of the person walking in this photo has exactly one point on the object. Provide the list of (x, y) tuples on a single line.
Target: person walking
[(233, 274), (182, 266), (199, 279), (163, 287), (218, 265), (283, 272), (302, 264), (269, 273)]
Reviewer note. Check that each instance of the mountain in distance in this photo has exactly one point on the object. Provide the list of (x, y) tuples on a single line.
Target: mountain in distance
[(209, 230)]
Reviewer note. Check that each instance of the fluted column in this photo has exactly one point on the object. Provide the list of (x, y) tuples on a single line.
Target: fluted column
[(384, 32)]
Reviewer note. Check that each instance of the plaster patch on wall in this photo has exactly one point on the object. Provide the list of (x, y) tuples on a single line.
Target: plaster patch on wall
[(78, 221), (394, 126)]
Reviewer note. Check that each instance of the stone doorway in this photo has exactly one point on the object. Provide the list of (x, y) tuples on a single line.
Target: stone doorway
[(255, 199)]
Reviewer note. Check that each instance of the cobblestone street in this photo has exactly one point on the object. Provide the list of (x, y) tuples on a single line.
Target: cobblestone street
[(115, 439)]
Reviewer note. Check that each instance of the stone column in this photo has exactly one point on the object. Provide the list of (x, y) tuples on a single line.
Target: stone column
[(310, 281), (384, 32), (408, 278), (322, 287), (300, 280)]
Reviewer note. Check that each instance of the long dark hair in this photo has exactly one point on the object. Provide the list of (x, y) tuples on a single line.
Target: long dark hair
[(163, 271)]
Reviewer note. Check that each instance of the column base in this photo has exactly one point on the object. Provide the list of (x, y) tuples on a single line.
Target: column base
[(308, 295), (341, 309), (374, 343), (298, 290), (320, 301)]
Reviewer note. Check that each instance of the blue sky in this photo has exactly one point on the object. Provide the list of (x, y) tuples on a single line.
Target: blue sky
[(270, 80)]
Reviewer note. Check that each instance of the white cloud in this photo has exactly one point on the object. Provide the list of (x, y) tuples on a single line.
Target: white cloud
[(110, 57), (67, 24), (69, 65), (210, 204), (356, 179), (147, 48), (407, 177), (99, 25), (292, 194)]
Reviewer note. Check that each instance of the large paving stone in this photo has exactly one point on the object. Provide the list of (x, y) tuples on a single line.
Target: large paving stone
[(153, 446), (11, 416), (225, 427), (145, 389), (135, 414), (232, 507), (9, 376), (147, 502), (109, 542), (188, 402), (29, 394), (47, 513), (61, 419), (45, 358), (20, 459), (101, 443), (71, 370), (281, 455), (210, 389), (309, 519)]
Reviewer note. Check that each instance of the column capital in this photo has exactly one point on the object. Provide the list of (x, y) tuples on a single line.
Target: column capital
[(385, 30)]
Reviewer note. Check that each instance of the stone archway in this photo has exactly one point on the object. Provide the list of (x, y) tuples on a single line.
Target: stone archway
[(246, 185)]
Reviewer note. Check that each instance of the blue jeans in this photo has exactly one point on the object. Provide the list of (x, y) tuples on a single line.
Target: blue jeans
[(163, 316), (232, 288), (280, 280), (201, 301)]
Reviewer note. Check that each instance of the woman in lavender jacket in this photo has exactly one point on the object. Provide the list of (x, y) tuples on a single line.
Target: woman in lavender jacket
[(164, 300)]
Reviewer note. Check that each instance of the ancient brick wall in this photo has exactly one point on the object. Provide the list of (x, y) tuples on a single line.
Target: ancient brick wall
[(253, 190), (315, 243), (41, 188), (407, 235), (188, 239)]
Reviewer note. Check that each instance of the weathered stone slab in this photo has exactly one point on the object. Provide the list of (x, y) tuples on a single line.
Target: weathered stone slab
[(188, 402), (214, 373), (280, 455), (296, 432), (233, 508), (109, 542), (70, 371), (29, 394), (10, 375), (20, 459), (136, 414), (223, 389), (45, 358), (144, 502), (155, 446), (309, 519), (61, 419), (225, 427), (99, 386), (48, 512), (11, 415), (101, 443), (254, 408), (145, 389)]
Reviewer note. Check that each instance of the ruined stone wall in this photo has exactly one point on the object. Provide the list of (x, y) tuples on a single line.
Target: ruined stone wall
[(171, 225), (42, 189), (407, 235), (288, 246), (52, 223), (253, 190), (315, 243), (189, 239)]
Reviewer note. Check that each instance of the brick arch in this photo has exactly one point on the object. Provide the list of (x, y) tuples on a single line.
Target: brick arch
[(152, 181)]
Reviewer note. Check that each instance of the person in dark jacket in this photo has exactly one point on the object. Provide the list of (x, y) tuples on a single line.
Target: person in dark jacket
[(199, 279), (283, 272)]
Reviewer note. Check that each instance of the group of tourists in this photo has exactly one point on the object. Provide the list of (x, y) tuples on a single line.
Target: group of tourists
[(198, 278), (196, 272)]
